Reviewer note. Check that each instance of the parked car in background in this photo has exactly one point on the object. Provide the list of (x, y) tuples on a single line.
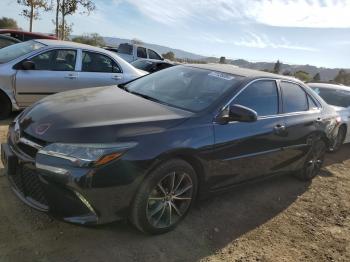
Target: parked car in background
[(148, 149), (7, 40), (34, 69), (25, 36), (337, 96), (152, 65), (132, 52)]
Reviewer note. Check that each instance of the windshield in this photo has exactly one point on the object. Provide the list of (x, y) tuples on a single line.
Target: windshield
[(17, 50), (143, 65), (184, 87), (335, 97)]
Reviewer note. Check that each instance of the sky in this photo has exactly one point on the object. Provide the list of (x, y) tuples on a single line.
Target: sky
[(315, 32)]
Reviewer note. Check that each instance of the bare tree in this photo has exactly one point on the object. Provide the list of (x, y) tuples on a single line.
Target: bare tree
[(31, 12), (70, 7)]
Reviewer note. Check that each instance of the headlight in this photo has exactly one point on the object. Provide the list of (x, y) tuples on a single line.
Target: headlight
[(87, 154)]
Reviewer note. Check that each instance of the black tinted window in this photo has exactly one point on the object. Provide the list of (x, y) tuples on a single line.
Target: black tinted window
[(125, 49), (95, 62), (153, 55), (312, 103), (261, 96), (141, 52), (56, 60), (294, 98)]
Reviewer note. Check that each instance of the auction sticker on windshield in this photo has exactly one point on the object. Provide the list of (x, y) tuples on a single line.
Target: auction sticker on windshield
[(221, 75)]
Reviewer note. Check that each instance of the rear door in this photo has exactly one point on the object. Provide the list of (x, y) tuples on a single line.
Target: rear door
[(245, 151), (303, 119), (98, 69), (54, 72)]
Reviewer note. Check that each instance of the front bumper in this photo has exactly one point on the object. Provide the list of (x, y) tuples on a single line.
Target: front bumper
[(82, 195)]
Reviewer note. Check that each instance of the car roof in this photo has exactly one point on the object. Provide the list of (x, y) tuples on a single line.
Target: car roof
[(61, 43), (5, 31), (329, 86), (234, 70)]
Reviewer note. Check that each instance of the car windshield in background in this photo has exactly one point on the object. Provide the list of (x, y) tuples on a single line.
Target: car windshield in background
[(184, 87), (125, 49), (143, 65), (335, 97), (14, 51)]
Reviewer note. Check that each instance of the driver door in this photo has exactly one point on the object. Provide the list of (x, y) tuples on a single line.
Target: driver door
[(54, 72), (244, 151)]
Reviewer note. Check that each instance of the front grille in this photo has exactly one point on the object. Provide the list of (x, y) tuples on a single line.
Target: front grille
[(28, 185)]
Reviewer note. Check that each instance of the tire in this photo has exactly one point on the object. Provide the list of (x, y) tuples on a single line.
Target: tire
[(339, 140), (314, 161), (165, 197), (5, 107)]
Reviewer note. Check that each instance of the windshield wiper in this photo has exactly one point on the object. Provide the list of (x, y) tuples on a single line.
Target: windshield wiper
[(146, 97)]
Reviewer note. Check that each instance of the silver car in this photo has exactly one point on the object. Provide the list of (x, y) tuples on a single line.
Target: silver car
[(34, 69), (337, 96)]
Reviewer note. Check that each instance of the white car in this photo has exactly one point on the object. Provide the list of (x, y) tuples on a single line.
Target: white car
[(34, 69), (337, 96)]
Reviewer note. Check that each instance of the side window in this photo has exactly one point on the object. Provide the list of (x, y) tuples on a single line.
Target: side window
[(153, 55), (261, 96), (55, 60), (312, 103), (141, 52), (95, 62), (294, 98), (5, 42)]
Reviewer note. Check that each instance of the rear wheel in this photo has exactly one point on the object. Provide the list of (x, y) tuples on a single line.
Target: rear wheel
[(339, 140), (314, 161), (5, 106), (165, 197)]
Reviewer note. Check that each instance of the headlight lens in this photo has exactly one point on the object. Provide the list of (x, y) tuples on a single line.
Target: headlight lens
[(87, 154)]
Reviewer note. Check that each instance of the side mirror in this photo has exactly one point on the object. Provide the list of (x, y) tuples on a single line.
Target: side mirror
[(28, 65), (242, 114)]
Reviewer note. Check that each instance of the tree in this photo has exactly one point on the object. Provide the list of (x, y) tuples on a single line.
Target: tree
[(31, 12), (222, 60), (317, 77), (66, 31), (90, 39), (8, 23), (343, 77), (277, 67), (70, 7), (136, 41), (169, 55), (302, 75)]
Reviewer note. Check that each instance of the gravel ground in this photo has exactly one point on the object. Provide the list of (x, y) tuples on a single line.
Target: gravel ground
[(280, 219)]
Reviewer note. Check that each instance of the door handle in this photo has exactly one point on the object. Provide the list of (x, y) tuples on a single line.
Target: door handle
[(117, 77), (280, 129), (71, 76)]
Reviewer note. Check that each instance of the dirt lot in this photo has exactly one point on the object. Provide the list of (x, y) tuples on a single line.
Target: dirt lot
[(280, 219)]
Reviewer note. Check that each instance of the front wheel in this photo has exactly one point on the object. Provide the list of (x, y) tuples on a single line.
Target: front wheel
[(165, 197), (314, 161)]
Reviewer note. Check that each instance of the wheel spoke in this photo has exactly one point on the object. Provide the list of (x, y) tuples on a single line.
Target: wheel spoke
[(183, 190), (162, 188), (182, 198), (160, 216), (156, 210), (179, 183), (176, 209), (156, 198), (172, 181), (170, 213)]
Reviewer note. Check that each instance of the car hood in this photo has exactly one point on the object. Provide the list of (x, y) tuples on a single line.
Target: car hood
[(97, 115)]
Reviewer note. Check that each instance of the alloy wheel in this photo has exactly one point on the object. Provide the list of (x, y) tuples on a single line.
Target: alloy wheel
[(169, 200)]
